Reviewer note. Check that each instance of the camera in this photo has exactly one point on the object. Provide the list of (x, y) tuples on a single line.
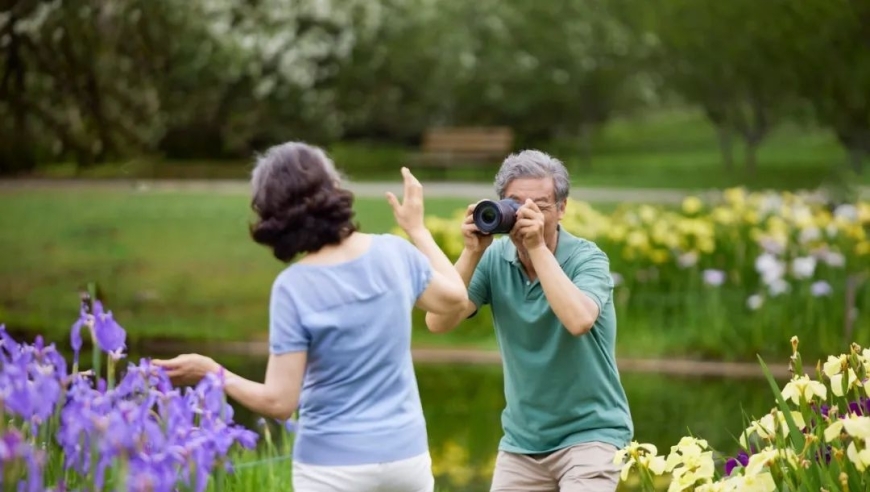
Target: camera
[(495, 217)]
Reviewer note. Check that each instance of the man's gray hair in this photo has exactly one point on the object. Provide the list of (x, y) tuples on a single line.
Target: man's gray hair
[(533, 164)]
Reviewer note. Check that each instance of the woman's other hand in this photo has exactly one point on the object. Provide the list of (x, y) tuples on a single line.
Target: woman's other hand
[(187, 369), (409, 213)]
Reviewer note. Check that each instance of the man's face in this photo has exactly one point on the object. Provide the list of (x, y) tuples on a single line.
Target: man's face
[(542, 192)]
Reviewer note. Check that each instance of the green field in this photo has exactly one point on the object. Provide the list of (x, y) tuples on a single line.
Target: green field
[(679, 150), (170, 264), (662, 149), (180, 265)]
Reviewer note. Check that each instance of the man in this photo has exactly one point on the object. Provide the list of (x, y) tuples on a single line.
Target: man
[(552, 307)]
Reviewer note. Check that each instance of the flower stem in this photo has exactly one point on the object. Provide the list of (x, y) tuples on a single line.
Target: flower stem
[(95, 358), (110, 372)]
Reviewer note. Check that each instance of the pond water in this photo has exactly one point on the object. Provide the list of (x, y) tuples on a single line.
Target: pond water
[(463, 404)]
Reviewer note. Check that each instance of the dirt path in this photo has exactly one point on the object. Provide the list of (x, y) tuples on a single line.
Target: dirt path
[(462, 356), (465, 190)]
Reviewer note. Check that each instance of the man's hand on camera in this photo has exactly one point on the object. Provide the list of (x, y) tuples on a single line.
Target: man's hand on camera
[(409, 213), (530, 225), (475, 242)]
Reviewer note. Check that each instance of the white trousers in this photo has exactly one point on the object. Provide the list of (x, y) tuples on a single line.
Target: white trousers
[(410, 475)]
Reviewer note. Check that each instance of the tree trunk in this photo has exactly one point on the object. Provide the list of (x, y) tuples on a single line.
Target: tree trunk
[(724, 133), (856, 140), (754, 128), (726, 147), (856, 159), (751, 157), (584, 138), (20, 152), (22, 148)]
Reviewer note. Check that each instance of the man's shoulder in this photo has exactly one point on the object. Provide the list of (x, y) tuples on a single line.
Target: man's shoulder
[(581, 250)]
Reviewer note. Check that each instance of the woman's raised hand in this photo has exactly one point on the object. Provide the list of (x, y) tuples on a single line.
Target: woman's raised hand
[(409, 213)]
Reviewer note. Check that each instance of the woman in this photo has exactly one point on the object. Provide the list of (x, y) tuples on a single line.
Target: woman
[(340, 328)]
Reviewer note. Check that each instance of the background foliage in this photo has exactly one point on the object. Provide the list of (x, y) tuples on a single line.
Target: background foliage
[(90, 81)]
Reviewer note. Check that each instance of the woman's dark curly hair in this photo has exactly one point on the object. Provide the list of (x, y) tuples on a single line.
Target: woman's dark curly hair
[(299, 202)]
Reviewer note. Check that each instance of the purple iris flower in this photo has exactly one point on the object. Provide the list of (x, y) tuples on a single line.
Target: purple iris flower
[(7, 343), (110, 336), (75, 336), (14, 448), (859, 407), (742, 459), (826, 454), (168, 439), (30, 383)]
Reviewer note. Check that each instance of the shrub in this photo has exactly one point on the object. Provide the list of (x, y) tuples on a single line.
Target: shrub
[(730, 278)]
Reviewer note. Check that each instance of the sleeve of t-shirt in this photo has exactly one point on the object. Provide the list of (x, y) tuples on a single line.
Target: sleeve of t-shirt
[(286, 333), (479, 291), (593, 278), (418, 267)]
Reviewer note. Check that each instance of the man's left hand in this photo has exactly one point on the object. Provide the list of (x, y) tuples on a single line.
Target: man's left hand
[(530, 225)]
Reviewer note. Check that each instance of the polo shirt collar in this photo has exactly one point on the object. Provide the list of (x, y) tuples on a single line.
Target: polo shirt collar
[(563, 248)]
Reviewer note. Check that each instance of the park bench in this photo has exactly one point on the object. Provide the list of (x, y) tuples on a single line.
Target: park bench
[(444, 148)]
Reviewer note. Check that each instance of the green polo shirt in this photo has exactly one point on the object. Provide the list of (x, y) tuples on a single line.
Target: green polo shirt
[(560, 389)]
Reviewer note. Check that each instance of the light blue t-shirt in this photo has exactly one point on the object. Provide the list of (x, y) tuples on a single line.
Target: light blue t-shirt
[(359, 402)]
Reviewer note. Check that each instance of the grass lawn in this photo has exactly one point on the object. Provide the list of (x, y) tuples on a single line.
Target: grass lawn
[(680, 150), (170, 264), (661, 149)]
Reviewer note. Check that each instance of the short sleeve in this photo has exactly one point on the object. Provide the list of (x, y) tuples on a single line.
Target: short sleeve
[(419, 268), (592, 277), (479, 291), (286, 333)]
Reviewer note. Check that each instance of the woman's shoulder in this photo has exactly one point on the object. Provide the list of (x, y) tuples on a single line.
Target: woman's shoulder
[(381, 247), (388, 245), (285, 278), (390, 238)]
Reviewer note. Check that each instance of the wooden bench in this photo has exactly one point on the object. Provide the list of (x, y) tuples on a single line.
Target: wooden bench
[(453, 147)]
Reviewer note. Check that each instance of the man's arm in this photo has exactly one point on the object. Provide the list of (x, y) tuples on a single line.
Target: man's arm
[(465, 267), (575, 309)]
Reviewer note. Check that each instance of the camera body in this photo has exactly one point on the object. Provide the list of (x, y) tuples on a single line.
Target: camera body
[(495, 217)]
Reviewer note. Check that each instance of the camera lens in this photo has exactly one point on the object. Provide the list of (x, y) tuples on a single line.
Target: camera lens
[(489, 215), (493, 217)]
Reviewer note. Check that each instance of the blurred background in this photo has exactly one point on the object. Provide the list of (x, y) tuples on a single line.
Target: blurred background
[(717, 151)]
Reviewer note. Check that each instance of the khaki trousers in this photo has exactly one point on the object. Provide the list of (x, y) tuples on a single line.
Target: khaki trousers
[(585, 467)]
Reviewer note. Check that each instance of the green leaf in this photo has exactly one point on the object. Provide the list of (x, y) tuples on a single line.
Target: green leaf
[(796, 435), (798, 440)]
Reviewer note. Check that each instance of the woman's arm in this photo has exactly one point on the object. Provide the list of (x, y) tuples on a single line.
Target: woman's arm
[(446, 291), (277, 397)]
